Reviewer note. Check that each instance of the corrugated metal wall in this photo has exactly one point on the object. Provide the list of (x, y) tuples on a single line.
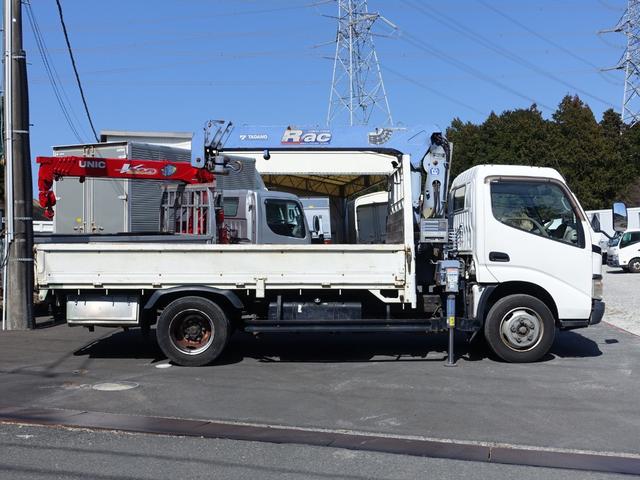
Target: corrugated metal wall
[(112, 205), (247, 178), (144, 195)]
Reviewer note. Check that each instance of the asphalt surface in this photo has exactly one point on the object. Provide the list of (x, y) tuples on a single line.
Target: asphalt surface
[(622, 294), (583, 396), (28, 452)]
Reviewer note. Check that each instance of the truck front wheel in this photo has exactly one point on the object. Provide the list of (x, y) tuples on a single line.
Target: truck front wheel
[(519, 328), (634, 265), (192, 331)]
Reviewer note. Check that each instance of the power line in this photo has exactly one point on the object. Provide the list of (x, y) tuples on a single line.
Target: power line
[(547, 40), (465, 31), (217, 15), (52, 74), (433, 90), (75, 70), (436, 52)]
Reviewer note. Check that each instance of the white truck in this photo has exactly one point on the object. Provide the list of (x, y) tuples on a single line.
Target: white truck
[(608, 238), (625, 252), (505, 252)]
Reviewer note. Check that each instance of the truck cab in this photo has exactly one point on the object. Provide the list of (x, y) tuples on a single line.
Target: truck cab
[(265, 217), (524, 236)]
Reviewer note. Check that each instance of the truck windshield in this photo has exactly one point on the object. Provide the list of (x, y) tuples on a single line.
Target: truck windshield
[(540, 208), (629, 238), (285, 218)]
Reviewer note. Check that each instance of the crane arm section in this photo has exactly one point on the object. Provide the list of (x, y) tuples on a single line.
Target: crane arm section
[(54, 168)]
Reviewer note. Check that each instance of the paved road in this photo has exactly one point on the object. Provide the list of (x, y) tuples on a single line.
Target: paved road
[(622, 294), (397, 384), (583, 396), (37, 453)]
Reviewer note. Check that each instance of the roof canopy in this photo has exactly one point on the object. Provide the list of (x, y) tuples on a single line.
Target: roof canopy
[(339, 162)]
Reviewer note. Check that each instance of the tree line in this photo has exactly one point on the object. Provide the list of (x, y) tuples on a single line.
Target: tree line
[(599, 159)]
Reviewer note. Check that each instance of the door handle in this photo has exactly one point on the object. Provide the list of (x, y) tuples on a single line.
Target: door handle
[(498, 257)]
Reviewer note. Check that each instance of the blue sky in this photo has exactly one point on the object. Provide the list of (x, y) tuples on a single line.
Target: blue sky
[(173, 64)]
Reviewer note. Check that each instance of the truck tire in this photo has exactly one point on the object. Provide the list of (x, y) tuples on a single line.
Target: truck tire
[(192, 331), (634, 265), (520, 329)]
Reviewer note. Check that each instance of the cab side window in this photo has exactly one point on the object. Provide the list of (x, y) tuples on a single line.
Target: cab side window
[(458, 198), (285, 217), (537, 207), (629, 238)]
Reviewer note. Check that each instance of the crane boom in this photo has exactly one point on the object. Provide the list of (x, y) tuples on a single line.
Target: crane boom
[(54, 168)]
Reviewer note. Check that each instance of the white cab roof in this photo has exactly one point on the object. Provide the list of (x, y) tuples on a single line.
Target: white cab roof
[(480, 172)]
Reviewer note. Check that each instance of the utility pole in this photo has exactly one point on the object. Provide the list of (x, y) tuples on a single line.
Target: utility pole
[(629, 25), (357, 88), (18, 268)]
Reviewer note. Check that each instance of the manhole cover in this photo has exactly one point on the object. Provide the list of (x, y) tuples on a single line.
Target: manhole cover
[(114, 386)]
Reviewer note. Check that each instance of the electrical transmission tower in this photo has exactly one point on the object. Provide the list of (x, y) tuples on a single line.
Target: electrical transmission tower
[(357, 88), (629, 25)]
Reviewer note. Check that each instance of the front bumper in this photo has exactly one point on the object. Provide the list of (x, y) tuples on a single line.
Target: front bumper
[(612, 261), (597, 312)]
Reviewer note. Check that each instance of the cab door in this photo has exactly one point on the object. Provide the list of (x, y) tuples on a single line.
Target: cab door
[(629, 249), (536, 233)]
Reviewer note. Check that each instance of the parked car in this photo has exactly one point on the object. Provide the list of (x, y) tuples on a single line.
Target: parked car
[(625, 253)]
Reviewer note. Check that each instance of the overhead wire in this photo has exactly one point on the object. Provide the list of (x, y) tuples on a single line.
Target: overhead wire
[(75, 69), (217, 15), (547, 40), (465, 31), (445, 57), (433, 90), (54, 79)]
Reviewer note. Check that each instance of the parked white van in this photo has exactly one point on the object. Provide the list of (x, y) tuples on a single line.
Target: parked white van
[(626, 254)]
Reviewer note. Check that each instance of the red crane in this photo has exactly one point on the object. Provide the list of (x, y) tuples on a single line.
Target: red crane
[(54, 168)]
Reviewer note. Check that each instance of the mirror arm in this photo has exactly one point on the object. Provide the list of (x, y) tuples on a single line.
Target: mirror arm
[(610, 237)]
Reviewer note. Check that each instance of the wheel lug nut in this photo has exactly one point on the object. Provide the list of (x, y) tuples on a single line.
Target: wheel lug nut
[(513, 328)]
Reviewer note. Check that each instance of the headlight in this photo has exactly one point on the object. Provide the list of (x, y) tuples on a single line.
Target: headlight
[(596, 287)]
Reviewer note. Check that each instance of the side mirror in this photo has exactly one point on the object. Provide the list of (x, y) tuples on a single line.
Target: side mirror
[(317, 225), (595, 223), (619, 217)]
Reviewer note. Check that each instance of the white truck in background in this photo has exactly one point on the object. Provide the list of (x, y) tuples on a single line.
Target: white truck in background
[(625, 252), (608, 237), (506, 252), (368, 217), (317, 211)]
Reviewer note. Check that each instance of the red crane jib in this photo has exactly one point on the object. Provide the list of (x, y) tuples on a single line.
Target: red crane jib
[(54, 168)]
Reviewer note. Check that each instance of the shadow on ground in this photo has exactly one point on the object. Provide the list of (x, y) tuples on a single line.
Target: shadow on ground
[(333, 348)]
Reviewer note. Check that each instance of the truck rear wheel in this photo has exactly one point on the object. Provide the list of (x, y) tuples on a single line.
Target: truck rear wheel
[(520, 328), (192, 331)]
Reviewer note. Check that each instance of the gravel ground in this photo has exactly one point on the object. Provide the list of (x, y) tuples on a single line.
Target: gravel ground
[(622, 296)]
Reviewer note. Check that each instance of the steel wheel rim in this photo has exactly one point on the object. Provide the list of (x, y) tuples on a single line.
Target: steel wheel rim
[(521, 329), (191, 331), (635, 265)]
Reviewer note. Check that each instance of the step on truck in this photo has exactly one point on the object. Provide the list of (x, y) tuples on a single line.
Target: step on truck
[(505, 252)]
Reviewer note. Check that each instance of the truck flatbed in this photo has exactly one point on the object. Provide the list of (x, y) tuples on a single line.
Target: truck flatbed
[(148, 265)]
